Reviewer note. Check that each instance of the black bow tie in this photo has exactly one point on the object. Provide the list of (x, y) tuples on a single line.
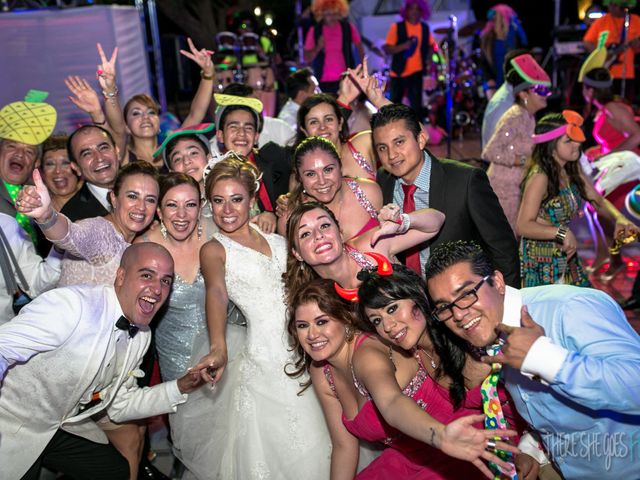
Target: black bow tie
[(123, 324)]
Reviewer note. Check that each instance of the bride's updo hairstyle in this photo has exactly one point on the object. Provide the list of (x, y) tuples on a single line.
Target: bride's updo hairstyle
[(233, 169)]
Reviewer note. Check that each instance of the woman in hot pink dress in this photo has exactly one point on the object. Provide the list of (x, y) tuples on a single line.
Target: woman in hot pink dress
[(615, 129), (373, 392)]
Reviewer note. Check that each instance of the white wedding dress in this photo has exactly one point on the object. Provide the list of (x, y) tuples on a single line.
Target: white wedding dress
[(254, 426)]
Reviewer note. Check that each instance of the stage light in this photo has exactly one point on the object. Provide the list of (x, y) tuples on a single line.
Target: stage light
[(268, 19), (257, 11), (595, 15), (274, 32)]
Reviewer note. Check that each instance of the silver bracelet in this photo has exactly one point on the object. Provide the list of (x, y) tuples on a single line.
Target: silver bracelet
[(50, 222), (110, 94), (405, 225)]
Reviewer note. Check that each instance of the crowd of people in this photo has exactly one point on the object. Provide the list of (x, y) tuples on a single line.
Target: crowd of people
[(330, 300)]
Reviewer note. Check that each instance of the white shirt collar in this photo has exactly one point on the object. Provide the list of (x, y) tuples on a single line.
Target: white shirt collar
[(101, 194), (512, 307)]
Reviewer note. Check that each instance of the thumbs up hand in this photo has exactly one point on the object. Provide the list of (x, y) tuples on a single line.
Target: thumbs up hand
[(34, 200)]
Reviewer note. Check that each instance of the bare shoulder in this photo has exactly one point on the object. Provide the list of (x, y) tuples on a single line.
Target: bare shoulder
[(212, 250)]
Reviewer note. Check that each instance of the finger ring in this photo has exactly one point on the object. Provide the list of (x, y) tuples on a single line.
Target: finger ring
[(491, 445)]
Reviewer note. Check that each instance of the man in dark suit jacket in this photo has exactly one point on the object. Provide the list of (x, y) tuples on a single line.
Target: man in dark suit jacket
[(93, 149), (461, 192)]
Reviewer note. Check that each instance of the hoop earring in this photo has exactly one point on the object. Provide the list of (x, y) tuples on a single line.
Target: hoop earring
[(163, 230)]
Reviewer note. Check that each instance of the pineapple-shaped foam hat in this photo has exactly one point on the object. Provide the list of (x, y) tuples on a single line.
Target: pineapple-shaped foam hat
[(29, 122)]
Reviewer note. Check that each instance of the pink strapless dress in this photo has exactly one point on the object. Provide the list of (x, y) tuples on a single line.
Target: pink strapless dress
[(405, 457)]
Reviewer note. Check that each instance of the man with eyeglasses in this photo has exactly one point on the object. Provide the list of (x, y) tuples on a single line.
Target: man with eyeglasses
[(573, 372)]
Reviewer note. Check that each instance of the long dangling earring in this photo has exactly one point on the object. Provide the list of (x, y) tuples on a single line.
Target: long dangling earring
[(304, 358), (348, 332), (199, 230), (302, 265), (163, 230)]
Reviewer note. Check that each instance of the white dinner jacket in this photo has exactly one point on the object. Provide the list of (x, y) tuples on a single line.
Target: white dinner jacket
[(50, 357)]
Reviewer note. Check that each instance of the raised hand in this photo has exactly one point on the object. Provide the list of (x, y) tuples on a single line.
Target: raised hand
[(34, 200), (518, 341), (266, 221), (462, 440), (201, 57), (106, 70), (83, 95)]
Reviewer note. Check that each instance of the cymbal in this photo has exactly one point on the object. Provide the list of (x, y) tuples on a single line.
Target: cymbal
[(465, 31), (471, 28), (442, 30)]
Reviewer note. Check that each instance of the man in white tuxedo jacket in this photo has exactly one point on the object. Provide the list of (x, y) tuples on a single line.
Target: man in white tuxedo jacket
[(72, 355)]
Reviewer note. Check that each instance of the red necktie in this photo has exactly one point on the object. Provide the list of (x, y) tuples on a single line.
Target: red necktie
[(262, 191), (412, 255)]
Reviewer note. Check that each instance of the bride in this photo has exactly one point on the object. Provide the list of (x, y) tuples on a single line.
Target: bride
[(264, 429)]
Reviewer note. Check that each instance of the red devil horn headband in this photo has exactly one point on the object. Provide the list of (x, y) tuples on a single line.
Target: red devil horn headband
[(384, 269)]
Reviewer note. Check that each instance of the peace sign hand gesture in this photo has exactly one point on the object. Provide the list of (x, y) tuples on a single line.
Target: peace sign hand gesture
[(107, 70), (201, 57)]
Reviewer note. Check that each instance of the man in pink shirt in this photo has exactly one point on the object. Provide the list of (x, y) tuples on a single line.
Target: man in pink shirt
[(328, 46)]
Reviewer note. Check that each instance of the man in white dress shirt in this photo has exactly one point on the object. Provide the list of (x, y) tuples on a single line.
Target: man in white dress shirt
[(70, 357), (37, 274)]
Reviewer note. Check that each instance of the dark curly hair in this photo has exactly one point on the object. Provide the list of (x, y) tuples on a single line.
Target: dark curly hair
[(448, 254), (378, 291), (542, 158)]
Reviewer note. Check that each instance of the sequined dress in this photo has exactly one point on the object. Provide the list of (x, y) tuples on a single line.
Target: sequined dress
[(507, 150), (541, 261), (266, 431), (405, 457)]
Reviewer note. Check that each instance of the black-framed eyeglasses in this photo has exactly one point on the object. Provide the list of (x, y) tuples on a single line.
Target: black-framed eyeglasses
[(464, 301)]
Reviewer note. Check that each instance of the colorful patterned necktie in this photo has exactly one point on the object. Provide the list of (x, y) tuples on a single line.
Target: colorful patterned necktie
[(412, 255), (21, 218), (493, 414)]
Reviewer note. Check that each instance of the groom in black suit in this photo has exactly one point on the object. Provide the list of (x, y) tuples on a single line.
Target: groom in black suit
[(413, 178)]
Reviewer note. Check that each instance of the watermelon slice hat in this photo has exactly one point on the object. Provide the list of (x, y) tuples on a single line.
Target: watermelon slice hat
[(530, 71), (30, 122)]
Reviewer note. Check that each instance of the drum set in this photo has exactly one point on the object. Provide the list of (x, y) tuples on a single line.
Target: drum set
[(241, 58)]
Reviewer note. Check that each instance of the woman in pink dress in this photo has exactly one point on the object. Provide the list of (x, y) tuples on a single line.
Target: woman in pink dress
[(329, 43), (316, 246), (374, 392), (615, 129), (318, 170)]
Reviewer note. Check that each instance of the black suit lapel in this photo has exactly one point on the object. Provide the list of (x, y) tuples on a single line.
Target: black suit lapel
[(437, 185), (267, 178), (387, 184)]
